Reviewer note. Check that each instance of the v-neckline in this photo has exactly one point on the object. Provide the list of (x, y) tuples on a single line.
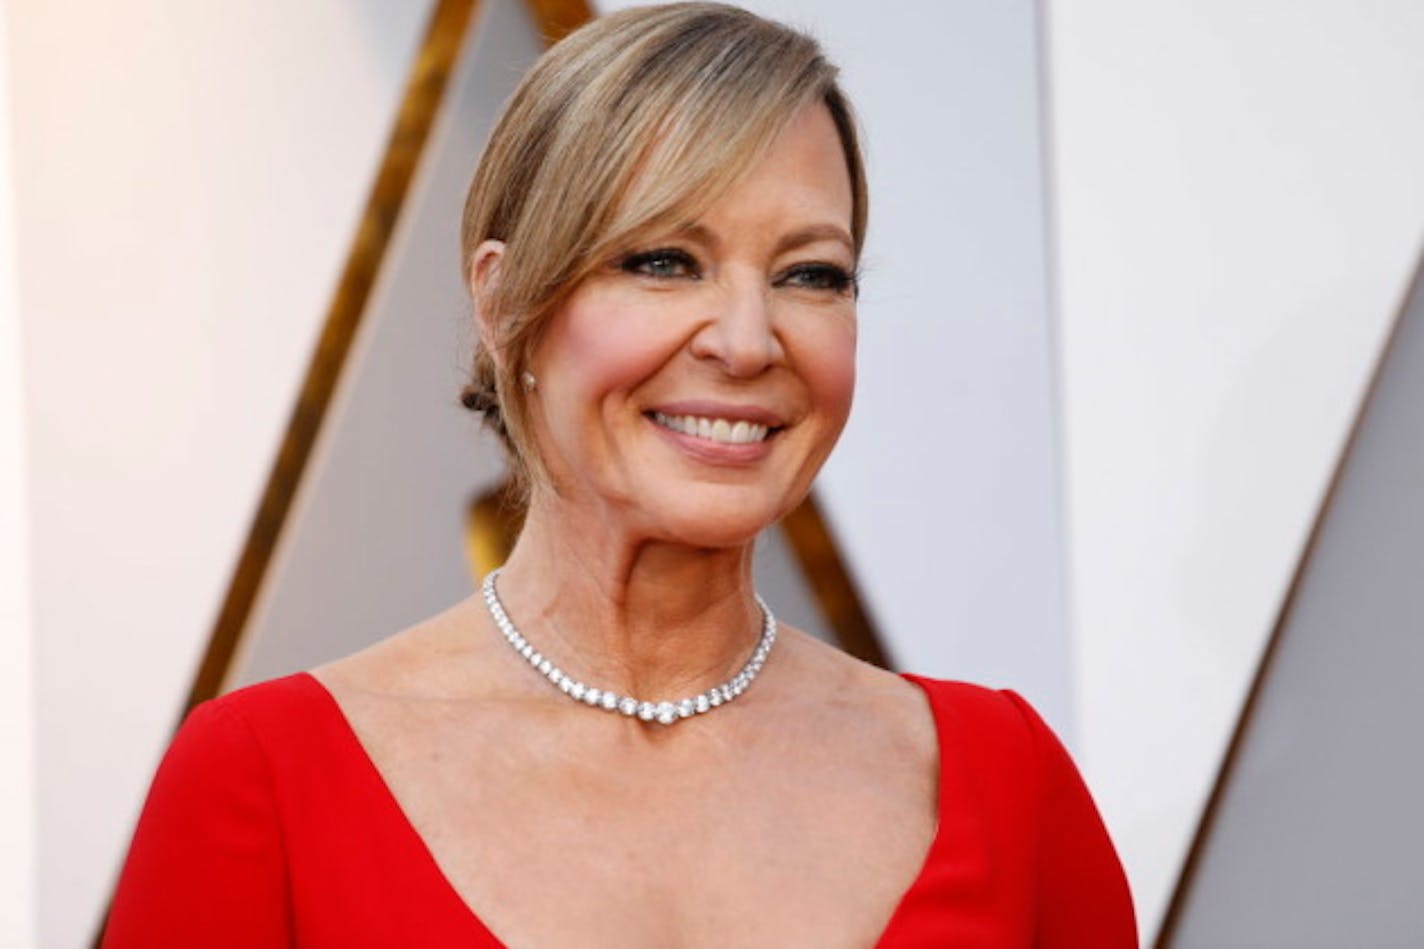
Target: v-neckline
[(450, 893)]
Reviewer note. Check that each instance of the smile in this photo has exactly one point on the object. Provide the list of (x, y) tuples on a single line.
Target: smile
[(718, 430)]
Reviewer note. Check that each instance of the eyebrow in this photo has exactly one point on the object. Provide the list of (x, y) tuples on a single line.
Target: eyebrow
[(806, 235), (814, 233)]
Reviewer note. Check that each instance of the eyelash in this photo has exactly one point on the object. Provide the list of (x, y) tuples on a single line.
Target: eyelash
[(819, 276), (826, 277), (640, 262)]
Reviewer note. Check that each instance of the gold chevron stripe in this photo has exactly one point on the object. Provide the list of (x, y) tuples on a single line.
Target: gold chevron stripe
[(424, 92)]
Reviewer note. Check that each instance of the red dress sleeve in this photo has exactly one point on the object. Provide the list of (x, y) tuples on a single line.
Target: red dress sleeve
[(206, 866), (1082, 893)]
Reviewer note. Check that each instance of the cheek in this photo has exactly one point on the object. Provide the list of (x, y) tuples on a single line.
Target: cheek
[(596, 345), (599, 349), (829, 368)]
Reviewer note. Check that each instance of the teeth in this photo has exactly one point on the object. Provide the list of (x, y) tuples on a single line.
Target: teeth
[(714, 429)]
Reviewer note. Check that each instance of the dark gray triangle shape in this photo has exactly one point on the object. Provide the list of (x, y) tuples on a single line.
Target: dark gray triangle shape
[(1316, 836)]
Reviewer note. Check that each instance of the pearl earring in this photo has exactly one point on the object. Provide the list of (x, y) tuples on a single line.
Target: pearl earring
[(528, 381)]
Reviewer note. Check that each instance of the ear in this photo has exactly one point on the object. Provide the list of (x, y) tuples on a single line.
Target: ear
[(484, 282)]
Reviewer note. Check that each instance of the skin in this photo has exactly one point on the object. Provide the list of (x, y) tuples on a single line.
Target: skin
[(797, 815)]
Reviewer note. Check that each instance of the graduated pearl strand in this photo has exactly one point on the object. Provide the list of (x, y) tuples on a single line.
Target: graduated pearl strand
[(665, 712)]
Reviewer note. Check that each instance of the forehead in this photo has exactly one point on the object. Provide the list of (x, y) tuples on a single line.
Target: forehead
[(801, 183)]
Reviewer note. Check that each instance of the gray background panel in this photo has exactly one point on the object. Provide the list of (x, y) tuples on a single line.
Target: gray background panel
[(1318, 836)]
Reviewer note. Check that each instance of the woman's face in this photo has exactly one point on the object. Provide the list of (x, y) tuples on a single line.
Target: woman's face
[(692, 388)]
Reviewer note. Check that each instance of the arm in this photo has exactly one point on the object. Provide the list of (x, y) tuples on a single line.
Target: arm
[(1083, 898), (206, 867)]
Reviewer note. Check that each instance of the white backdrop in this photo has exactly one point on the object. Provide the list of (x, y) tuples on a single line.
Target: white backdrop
[(1239, 206), (187, 178), (17, 801)]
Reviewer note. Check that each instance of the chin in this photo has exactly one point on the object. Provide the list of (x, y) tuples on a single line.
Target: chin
[(717, 519)]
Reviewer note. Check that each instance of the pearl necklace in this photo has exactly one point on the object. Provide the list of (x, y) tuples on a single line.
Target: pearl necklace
[(665, 712)]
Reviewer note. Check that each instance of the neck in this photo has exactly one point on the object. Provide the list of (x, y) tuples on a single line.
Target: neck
[(647, 618)]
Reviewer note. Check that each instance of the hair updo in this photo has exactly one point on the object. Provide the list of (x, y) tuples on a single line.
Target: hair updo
[(637, 122)]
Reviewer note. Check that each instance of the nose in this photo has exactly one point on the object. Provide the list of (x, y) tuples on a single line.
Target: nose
[(739, 333)]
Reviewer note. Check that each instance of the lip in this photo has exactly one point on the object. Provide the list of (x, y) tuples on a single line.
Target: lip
[(732, 412), (722, 454)]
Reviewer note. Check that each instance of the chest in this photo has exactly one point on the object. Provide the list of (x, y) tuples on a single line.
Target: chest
[(786, 840)]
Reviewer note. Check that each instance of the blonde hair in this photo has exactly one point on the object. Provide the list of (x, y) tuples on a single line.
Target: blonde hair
[(638, 121)]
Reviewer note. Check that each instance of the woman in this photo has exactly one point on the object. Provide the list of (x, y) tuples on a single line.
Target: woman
[(615, 743)]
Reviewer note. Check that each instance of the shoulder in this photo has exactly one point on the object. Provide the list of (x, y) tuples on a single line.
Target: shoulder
[(258, 715), (856, 689), (443, 655), (1001, 707), (221, 758), (260, 737), (999, 737), (227, 727), (977, 710), (207, 855), (1027, 777), (966, 711), (258, 703), (824, 698)]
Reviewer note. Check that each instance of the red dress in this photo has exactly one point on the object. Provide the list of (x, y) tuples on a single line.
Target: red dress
[(268, 825)]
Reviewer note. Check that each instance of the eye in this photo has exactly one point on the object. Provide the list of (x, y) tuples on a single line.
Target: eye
[(827, 277), (664, 263)]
